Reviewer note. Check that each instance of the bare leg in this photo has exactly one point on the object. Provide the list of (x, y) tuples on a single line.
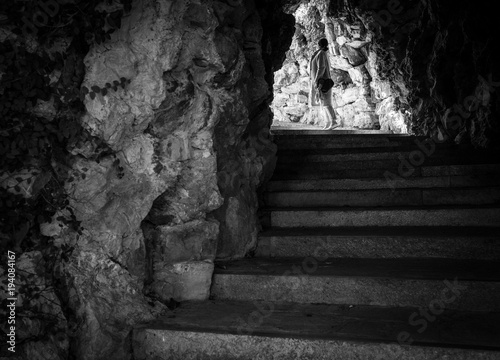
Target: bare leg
[(330, 116), (327, 118)]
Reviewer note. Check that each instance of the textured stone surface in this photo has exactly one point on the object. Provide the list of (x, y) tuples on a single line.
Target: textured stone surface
[(435, 85), (457, 216), (180, 259), (380, 242), (381, 282), (34, 315), (264, 330), (187, 145), (188, 280), (187, 345)]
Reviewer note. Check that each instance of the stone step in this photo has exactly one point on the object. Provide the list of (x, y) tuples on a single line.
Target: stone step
[(388, 216), (381, 183), (339, 132), (338, 174), (341, 135), (388, 169), (300, 166), (332, 155), (462, 169), (382, 282), (381, 242), (431, 167), (440, 149), (340, 142), (319, 141), (261, 331), (384, 197), (321, 156)]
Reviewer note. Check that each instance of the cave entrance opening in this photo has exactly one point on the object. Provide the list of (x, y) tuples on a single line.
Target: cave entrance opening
[(361, 98)]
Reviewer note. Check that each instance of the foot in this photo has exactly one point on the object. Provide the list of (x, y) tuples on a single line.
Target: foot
[(333, 127)]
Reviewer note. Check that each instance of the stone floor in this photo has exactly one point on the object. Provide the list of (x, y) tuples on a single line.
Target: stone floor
[(279, 126)]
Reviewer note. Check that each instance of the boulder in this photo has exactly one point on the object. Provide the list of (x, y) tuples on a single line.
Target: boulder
[(187, 280), (355, 56)]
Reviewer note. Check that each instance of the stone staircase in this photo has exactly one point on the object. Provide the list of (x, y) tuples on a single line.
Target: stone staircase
[(376, 246)]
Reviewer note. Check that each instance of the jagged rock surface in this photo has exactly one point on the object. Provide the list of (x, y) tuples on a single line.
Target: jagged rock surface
[(189, 144), (433, 65)]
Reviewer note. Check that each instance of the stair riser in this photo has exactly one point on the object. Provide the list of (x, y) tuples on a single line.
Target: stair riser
[(307, 144), (285, 159), (471, 295), (353, 140), (321, 174), (386, 217), (393, 174), (339, 165), (153, 344), (481, 170), (408, 197), (367, 184), (398, 168), (487, 248), (290, 157)]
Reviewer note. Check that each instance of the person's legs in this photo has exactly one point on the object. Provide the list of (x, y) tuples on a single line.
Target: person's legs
[(328, 113)]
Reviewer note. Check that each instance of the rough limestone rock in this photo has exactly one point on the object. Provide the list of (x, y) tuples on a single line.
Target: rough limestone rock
[(181, 259), (187, 144), (353, 55), (439, 66), (32, 323)]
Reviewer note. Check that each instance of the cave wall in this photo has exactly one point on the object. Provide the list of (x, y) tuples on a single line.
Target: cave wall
[(437, 59), (188, 145), (192, 132)]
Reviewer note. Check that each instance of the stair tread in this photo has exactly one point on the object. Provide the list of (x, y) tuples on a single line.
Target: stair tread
[(385, 231), (386, 208), (390, 164), (400, 268), (407, 189), (439, 151), (340, 134), (441, 182), (459, 329)]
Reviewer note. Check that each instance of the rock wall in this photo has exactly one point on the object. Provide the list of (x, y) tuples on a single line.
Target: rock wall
[(433, 63), (186, 144), (192, 132)]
